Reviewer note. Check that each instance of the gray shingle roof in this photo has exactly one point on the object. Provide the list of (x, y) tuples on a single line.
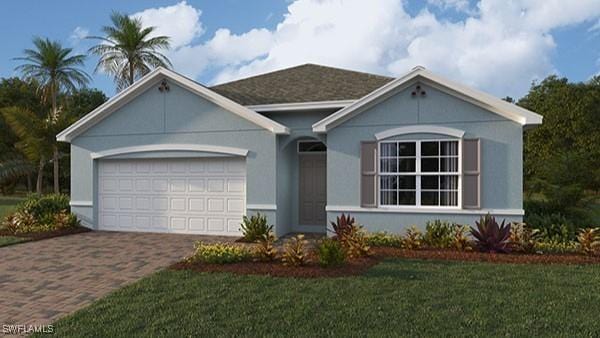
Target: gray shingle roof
[(305, 83)]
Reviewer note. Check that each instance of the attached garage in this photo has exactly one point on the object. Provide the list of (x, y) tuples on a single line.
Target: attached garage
[(179, 195)]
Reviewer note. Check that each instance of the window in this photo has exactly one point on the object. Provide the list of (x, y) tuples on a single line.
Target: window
[(311, 147), (419, 173)]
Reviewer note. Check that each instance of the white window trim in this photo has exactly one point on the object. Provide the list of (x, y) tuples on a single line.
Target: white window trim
[(418, 173), (308, 152)]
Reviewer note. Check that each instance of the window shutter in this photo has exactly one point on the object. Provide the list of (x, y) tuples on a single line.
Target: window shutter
[(471, 180), (368, 174)]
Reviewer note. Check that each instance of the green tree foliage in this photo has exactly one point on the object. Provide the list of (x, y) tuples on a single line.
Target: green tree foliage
[(56, 69), (14, 165), (563, 154), (127, 51)]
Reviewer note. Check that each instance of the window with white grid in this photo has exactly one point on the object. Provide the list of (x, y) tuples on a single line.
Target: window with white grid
[(419, 173)]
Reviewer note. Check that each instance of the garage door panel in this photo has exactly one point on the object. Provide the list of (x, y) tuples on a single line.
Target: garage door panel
[(201, 196)]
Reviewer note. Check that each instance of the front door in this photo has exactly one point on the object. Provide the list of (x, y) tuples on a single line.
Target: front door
[(313, 188)]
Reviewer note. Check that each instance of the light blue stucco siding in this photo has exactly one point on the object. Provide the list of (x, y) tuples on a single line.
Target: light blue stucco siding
[(175, 117), (501, 156), (300, 124)]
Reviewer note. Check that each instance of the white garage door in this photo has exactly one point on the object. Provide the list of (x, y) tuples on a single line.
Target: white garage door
[(199, 195)]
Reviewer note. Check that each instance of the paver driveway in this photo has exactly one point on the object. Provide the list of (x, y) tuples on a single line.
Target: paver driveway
[(42, 281)]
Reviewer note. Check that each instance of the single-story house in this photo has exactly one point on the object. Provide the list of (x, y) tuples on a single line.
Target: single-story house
[(300, 145)]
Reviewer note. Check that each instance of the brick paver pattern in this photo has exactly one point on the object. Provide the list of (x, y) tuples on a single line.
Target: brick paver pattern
[(45, 280)]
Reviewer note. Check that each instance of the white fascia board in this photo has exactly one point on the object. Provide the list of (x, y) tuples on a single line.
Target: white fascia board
[(315, 105), (140, 86), (418, 129), (170, 147), (484, 100)]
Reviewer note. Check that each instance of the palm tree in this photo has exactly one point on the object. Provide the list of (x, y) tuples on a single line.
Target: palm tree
[(56, 69), (128, 52)]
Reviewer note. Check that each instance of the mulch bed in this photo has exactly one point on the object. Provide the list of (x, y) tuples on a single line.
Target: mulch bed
[(277, 269), (36, 236), (513, 258), (359, 266)]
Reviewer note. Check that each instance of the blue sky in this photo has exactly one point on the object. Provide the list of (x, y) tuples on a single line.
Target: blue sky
[(496, 45)]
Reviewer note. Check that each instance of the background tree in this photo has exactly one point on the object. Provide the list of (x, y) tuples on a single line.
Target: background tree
[(562, 156), (56, 70), (14, 165), (127, 52)]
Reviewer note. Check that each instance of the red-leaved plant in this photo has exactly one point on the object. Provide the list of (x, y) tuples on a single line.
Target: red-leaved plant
[(490, 236), (342, 227)]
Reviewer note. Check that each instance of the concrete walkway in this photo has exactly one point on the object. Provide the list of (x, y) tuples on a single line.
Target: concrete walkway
[(45, 280)]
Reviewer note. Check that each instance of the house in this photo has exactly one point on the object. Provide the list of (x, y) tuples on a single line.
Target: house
[(299, 145)]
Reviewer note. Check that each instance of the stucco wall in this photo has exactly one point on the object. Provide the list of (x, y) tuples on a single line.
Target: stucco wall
[(501, 154), (300, 123), (178, 116)]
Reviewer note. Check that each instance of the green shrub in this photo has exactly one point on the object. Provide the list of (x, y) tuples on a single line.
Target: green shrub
[(438, 234), (460, 241), (413, 239), (255, 227), (556, 247), (491, 236), (589, 240), (384, 239), (41, 213), (330, 252), (219, 253), (294, 251), (266, 249), (523, 238)]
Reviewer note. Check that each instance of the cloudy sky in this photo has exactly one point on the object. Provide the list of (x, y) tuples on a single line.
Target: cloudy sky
[(500, 46)]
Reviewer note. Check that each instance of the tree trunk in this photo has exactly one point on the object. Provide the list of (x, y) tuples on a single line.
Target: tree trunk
[(29, 187), (55, 167), (55, 154), (40, 177), (130, 73)]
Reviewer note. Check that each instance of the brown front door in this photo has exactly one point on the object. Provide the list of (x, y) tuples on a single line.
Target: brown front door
[(313, 188)]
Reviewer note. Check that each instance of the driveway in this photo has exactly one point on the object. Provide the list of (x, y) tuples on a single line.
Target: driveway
[(45, 280)]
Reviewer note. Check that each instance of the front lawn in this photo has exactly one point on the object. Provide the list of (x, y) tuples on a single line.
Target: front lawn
[(8, 204), (9, 240), (396, 297)]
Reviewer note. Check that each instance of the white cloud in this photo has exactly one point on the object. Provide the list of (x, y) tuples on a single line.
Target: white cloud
[(181, 22), (78, 34), (500, 46)]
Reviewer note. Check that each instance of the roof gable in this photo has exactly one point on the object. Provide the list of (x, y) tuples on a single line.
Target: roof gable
[(304, 83), (149, 81), (478, 98)]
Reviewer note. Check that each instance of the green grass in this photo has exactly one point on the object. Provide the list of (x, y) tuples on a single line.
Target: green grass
[(9, 240), (7, 204), (396, 297)]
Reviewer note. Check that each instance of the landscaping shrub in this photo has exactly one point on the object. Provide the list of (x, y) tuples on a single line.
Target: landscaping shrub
[(384, 239), (330, 253), (41, 213), (351, 236), (266, 250), (342, 226), (490, 236), (294, 251), (523, 238), (460, 241), (553, 247), (438, 234), (355, 242), (219, 253), (255, 227), (413, 238), (589, 240)]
